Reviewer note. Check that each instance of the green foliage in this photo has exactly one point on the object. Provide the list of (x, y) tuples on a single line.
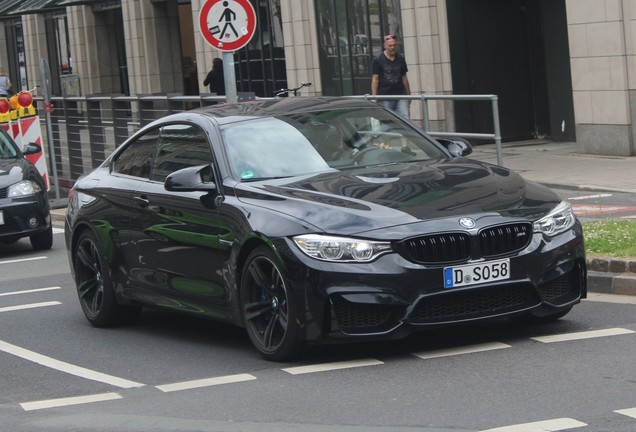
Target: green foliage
[(615, 238)]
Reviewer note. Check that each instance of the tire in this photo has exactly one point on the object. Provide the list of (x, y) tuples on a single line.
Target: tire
[(270, 315), (95, 287), (42, 240), (541, 319)]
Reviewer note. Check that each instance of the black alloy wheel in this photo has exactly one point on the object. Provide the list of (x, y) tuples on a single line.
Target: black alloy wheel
[(268, 309), (94, 285)]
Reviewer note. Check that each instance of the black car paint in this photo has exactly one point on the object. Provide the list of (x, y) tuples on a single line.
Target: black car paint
[(157, 239)]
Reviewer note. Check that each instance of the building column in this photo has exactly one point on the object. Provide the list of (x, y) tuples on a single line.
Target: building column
[(35, 47), (427, 52), (603, 62), (301, 44), (152, 46)]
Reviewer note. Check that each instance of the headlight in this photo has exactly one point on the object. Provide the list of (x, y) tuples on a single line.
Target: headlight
[(24, 188), (560, 219), (341, 249)]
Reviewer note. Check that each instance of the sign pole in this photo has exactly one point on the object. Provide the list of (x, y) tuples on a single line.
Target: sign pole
[(45, 75), (229, 76), (227, 25)]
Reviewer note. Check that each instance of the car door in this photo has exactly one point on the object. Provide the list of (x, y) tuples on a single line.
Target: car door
[(183, 246), (111, 208)]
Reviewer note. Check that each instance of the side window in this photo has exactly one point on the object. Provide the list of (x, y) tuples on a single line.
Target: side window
[(136, 159), (180, 146)]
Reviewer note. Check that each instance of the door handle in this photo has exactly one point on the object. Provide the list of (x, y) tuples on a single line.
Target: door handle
[(142, 201)]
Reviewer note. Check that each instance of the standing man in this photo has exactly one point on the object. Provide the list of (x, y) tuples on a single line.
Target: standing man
[(388, 77)]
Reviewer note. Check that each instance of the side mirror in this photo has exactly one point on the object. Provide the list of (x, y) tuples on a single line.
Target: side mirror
[(31, 148), (457, 147), (192, 179)]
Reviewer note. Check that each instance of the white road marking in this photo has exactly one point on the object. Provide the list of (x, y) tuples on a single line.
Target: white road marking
[(29, 306), (78, 400), (629, 412), (206, 382), (598, 208), (22, 260), (601, 195), (461, 350), (58, 230), (582, 335), (541, 426), (30, 291), (324, 367), (66, 367)]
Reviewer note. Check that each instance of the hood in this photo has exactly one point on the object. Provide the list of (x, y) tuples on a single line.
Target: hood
[(12, 171), (365, 199)]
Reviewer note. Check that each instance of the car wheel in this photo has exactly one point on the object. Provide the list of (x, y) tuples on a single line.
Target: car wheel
[(95, 286), (268, 308), (42, 240)]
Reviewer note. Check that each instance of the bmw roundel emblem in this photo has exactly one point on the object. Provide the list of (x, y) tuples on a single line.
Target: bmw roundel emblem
[(467, 222)]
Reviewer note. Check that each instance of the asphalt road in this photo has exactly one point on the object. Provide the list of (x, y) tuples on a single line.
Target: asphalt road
[(169, 373)]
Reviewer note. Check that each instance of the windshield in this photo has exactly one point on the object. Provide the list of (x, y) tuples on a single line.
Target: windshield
[(7, 149), (305, 143)]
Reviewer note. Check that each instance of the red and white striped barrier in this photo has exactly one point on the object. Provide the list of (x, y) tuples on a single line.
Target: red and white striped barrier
[(18, 118)]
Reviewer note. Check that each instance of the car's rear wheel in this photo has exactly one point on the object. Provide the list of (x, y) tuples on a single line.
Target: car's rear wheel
[(268, 308), (42, 240), (95, 286)]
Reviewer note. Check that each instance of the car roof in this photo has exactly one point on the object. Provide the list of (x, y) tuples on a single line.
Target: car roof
[(228, 113)]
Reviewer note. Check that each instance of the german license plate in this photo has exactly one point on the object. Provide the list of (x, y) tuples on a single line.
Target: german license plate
[(1, 218), (474, 274)]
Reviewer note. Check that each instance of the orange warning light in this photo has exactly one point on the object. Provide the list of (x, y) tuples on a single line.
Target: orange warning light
[(13, 102)]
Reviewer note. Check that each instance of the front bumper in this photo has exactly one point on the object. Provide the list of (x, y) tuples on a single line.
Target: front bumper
[(393, 297), (23, 218), (354, 315)]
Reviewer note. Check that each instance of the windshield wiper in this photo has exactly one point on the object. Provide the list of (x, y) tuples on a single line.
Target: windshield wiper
[(255, 179)]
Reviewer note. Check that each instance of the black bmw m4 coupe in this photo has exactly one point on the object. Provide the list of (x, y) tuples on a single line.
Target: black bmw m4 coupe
[(316, 220)]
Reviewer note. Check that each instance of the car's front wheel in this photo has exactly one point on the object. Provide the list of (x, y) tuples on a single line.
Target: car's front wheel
[(268, 308), (42, 240), (95, 286)]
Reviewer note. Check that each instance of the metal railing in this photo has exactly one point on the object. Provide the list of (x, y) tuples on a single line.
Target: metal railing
[(85, 130)]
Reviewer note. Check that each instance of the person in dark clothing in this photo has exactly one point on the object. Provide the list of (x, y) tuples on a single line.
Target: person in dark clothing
[(388, 77), (215, 78)]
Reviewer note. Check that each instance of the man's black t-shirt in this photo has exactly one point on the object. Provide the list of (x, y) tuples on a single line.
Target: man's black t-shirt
[(391, 73)]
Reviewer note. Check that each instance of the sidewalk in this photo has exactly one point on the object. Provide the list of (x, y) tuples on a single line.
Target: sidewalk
[(559, 165)]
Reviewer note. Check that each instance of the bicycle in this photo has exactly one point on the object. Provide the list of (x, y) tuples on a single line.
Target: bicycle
[(285, 92)]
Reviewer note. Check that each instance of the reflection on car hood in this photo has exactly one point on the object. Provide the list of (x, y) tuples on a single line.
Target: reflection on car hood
[(11, 171), (371, 198)]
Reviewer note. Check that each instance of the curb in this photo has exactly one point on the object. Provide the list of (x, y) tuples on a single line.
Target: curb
[(57, 217), (610, 275), (611, 283)]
